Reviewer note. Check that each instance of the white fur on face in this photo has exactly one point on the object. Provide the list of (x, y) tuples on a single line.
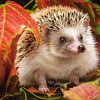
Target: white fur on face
[(73, 33)]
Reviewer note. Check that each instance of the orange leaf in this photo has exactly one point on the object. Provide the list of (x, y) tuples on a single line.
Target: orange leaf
[(50, 93), (33, 90), (71, 95), (12, 18), (83, 92)]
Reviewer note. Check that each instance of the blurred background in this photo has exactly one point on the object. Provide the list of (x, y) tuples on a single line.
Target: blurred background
[(24, 2)]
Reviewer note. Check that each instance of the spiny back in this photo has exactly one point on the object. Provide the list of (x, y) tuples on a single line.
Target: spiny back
[(58, 17)]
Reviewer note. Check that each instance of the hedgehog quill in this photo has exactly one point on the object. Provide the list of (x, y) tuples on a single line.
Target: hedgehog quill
[(67, 50)]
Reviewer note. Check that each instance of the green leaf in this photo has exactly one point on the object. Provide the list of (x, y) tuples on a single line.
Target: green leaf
[(98, 29), (36, 96), (24, 94), (88, 0)]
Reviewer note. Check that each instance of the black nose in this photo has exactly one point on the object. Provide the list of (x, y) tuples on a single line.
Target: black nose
[(81, 48)]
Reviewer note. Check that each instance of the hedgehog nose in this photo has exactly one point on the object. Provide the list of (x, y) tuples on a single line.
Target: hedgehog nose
[(81, 49)]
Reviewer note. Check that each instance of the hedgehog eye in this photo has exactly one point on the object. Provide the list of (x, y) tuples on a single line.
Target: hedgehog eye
[(81, 37), (62, 40)]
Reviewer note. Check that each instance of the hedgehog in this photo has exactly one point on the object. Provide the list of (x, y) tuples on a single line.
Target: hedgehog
[(67, 51)]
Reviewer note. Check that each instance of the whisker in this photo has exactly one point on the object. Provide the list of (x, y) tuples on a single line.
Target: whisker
[(89, 43)]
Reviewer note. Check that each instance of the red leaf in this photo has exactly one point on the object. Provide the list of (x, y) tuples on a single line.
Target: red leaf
[(46, 3), (2, 73), (12, 18), (79, 1), (98, 19)]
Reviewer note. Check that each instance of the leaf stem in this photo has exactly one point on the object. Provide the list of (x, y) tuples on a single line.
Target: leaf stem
[(28, 3)]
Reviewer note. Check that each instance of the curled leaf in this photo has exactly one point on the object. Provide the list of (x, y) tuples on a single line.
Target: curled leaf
[(12, 18)]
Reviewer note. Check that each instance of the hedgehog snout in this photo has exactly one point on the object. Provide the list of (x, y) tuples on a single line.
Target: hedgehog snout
[(76, 47), (81, 48)]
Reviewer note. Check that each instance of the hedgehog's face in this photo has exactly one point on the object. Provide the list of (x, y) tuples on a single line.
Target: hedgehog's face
[(67, 42)]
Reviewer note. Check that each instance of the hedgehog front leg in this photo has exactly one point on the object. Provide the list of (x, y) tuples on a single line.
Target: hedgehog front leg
[(74, 76), (40, 80)]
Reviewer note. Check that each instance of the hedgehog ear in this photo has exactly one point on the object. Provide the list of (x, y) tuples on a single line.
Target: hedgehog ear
[(45, 31), (86, 21)]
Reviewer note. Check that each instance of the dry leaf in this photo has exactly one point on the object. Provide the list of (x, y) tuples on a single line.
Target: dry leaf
[(83, 92)]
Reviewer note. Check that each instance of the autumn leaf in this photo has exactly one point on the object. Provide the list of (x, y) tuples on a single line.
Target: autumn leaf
[(2, 73), (33, 90), (79, 1), (12, 18), (49, 93), (46, 3), (87, 91)]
